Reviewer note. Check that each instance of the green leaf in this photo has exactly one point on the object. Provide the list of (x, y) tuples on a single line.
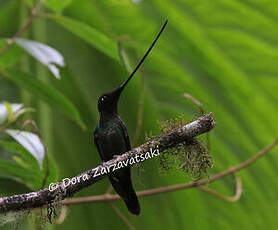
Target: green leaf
[(57, 6), (31, 142), (223, 53), (25, 156), (89, 34), (29, 171), (13, 170), (45, 92), (8, 111), (11, 56)]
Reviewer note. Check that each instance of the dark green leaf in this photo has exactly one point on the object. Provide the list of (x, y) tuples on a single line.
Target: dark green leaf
[(13, 170), (46, 92), (89, 34), (11, 56)]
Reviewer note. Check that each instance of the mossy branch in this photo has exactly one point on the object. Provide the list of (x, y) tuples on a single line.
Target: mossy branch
[(164, 141)]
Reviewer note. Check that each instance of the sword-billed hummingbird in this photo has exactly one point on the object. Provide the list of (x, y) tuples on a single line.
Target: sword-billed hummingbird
[(111, 138)]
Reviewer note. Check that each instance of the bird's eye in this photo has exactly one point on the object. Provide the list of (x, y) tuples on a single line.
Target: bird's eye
[(103, 98)]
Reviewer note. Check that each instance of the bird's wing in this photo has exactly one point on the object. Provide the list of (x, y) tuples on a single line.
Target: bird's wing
[(115, 142), (126, 137), (96, 140)]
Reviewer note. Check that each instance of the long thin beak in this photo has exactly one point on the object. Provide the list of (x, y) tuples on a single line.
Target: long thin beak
[(143, 59)]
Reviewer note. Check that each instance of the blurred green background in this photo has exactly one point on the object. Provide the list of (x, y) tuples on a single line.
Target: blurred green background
[(224, 53)]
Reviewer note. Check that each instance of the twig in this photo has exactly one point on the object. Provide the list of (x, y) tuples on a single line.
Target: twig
[(109, 190), (34, 14), (196, 102), (122, 216), (59, 191), (62, 216), (139, 118), (126, 63), (234, 198), (172, 188)]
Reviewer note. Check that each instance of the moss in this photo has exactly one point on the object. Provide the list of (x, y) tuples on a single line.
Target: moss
[(190, 157), (171, 124)]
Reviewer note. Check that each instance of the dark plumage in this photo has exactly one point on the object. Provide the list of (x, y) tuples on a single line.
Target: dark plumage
[(111, 138)]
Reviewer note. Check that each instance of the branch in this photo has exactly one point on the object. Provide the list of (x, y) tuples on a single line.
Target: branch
[(43, 197), (234, 198), (122, 216), (34, 14), (172, 188), (196, 102)]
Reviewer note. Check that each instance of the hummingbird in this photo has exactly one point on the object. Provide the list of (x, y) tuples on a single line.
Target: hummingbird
[(111, 137)]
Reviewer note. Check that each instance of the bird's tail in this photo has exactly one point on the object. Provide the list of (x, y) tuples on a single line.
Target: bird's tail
[(122, 184), (132, 203)]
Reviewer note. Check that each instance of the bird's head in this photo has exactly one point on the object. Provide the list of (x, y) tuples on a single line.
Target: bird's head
[(108, 102)]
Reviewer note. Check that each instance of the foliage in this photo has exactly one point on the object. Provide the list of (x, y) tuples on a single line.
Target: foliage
[(221, 52)]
